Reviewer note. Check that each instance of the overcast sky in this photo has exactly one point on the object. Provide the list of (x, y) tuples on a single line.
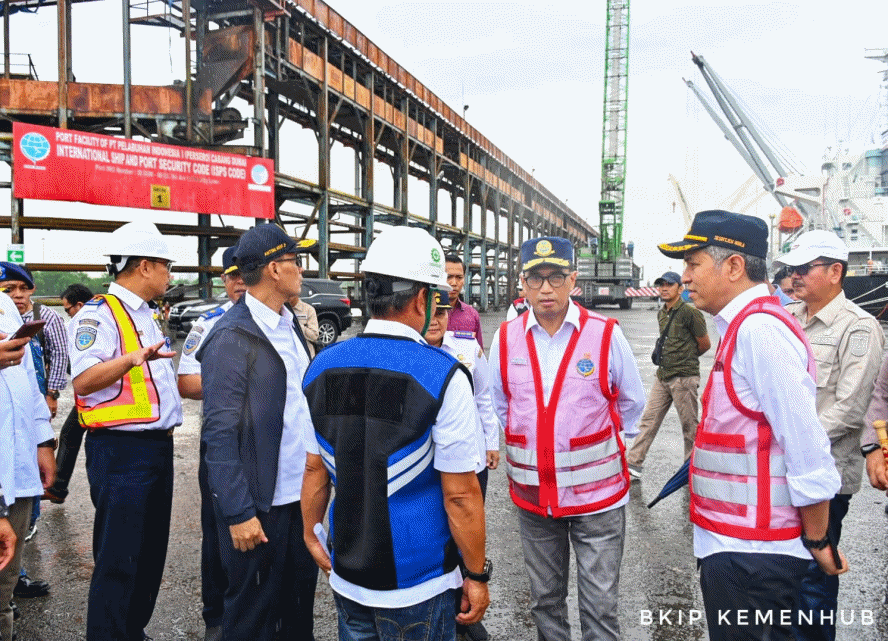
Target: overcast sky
[(532, 75)]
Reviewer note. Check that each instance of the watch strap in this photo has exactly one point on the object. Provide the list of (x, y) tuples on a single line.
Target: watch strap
[(866, 450), (815, 544)]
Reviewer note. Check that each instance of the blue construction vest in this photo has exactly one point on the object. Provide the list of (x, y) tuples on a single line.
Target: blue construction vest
[(373, 402)]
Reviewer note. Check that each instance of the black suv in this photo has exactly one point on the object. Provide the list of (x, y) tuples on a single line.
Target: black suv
[(332, 306)]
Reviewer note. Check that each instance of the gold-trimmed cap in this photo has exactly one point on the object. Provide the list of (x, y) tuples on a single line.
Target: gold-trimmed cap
[(546, 250), (745, 234), (442, 301)]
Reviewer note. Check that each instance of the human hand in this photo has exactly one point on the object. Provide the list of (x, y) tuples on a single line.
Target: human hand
[(492, 459), (247, 535), (475, 599), (827, 563), (150, 353), (12, 351), (47, 464), (318, 552), (53, 405), (876, 469), (7, 543)]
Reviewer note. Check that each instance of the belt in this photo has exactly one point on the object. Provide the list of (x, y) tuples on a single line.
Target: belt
[(151, 435)]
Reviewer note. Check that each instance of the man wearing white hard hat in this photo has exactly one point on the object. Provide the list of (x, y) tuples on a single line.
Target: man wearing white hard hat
[(395, 429), (125, 394), (847, 343)]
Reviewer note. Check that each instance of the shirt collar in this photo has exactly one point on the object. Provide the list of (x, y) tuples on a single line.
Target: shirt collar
[(730, 311), (131, 299), (572, 317), (265, 314), (392, 328), (829, 311), (458, 304)]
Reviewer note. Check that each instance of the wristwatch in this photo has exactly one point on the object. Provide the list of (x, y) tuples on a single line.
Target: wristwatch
[(483, 577), (53, 443), (4, 510), (866, 450), (815, 545), (53, 394)]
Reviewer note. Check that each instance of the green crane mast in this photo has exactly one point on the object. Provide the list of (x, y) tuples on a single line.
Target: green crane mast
[(613, 134)]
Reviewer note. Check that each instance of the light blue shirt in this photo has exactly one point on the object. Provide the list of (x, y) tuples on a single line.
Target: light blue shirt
[(24, 418), (278, 329)]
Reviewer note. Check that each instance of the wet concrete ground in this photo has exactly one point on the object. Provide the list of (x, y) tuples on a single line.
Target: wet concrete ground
[(659, 584)]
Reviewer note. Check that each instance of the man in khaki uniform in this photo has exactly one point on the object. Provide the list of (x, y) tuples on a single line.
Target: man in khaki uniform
[(847, 343), (678, 374)]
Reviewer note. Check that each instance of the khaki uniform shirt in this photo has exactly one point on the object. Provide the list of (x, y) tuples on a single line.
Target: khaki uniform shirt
[(681, 354), (847, 343)]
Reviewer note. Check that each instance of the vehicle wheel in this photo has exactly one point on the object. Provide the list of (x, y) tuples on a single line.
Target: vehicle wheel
[(328, 332), (625, 303)]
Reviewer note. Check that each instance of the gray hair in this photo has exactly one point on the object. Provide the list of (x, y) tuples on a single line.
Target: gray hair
[(756, 268)]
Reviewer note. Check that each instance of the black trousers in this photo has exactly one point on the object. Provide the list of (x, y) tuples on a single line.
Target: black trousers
[(273, 585), (751, 597), (212, 573), (131, 485), (70, 439)]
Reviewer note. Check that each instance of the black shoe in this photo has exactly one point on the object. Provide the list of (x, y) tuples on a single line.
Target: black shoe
[(54, 495), (16, 615), (477, 632), (28, 588)]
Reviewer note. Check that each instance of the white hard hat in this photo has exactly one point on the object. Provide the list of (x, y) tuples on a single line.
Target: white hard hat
[(138, 238), (407, 253)]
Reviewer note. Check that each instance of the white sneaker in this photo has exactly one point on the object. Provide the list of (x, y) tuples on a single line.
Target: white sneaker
[(634, 473)]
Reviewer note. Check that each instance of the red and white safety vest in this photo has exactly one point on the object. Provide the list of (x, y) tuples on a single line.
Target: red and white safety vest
[(567, 457), (138, 400), (738, 473)]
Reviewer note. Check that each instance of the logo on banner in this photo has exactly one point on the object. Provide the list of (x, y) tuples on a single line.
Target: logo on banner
[(259, 174), (160, 196), (35, 147)]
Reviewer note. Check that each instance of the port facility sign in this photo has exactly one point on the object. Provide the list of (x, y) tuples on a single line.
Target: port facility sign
[(62, 164)]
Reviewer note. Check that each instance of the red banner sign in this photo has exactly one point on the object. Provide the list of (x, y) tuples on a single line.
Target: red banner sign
[(62, 164)]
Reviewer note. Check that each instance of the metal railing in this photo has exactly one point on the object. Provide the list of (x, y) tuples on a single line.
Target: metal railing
[(20, 65)]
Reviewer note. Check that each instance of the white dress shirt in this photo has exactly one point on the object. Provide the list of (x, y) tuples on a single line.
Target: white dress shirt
[(278, 329), (24, 418), (770, 375), (98, 321), (622, 372), (456, 451), (199, 331)]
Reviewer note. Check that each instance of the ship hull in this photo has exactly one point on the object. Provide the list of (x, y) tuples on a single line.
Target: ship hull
[(870, 292)]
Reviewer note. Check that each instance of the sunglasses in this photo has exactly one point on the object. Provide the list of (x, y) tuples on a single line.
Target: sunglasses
[(802, 270)]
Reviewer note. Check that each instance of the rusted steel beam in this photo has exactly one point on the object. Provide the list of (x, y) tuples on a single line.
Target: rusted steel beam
[(71, 224)]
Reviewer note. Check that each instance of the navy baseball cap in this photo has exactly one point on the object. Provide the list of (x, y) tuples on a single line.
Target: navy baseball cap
[(228, 258), (262, 244), (670, 278), (740, 232), (11, 271), (546, 250)]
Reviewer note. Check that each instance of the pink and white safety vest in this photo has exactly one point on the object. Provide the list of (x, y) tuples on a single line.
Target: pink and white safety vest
[(738, 473), (567, 457)]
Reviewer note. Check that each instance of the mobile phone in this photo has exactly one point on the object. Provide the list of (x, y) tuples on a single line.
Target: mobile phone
[(28, 330)]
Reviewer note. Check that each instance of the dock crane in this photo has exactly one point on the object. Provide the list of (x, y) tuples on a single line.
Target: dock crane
[(605, 274)]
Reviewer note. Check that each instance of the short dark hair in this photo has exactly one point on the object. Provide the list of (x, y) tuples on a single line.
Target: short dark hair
[(131, 263), (76, 293), (453, 258), (382, 305), (252, 277), (843, 263)]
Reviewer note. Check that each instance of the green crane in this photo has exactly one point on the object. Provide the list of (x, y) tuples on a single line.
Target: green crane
[(613, 134)]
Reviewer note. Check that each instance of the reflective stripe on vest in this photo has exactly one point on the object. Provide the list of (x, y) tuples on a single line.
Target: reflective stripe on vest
[(138, 400), (738, 470), (564, 457)]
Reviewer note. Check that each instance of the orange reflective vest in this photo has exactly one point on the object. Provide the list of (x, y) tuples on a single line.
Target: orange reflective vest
[(138, 400)]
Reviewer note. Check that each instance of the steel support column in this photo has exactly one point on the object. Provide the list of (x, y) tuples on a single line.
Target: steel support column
[(63, 9), (323, 116), (368, 147), (434, 168)]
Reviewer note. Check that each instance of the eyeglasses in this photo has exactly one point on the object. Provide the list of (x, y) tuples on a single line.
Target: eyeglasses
[(295, 259), (802, 270), (535, 281), (167, 264)]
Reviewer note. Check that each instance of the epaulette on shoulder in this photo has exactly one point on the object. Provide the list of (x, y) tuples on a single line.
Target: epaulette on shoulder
[(98, 301), (463, 334), (212, 313)]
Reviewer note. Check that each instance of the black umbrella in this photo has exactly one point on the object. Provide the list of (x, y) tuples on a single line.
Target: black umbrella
[(678, 481)]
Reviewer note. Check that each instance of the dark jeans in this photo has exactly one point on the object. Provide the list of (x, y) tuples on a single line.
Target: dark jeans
[(820, 592), (430, 620), (212, 573), (748, 596), (271, 587), (131, 485), (70, 439)]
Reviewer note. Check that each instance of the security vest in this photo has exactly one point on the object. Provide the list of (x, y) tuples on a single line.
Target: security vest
[(138, 400), (567, 457), (738, 473), (373, 401)]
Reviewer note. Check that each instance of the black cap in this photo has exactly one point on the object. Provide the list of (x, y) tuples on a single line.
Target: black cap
[(546, 250), (228, 258), (670, 278), (262, 244), (742, 233), (12, 271)]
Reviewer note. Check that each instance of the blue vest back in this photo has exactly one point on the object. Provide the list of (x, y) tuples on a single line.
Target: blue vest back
[(373, 401)]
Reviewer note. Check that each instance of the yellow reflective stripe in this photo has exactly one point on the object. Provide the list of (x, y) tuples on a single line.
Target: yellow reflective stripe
[(133, 381)]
